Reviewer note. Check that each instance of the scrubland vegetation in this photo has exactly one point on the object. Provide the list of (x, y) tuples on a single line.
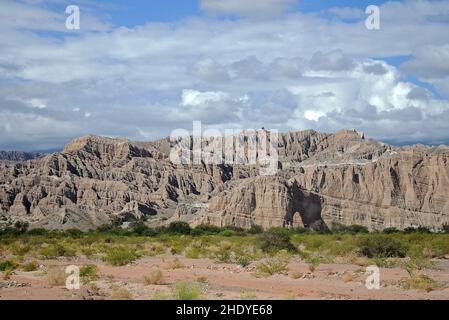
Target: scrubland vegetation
[(268, 252)]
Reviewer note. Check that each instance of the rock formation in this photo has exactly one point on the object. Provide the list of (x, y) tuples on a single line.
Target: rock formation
[(17, 156), (322, 179)]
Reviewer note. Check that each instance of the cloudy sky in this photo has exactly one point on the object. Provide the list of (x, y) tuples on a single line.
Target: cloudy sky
[(141, 69)]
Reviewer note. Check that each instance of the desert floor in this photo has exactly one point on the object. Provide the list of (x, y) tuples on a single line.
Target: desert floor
[(214, 280)]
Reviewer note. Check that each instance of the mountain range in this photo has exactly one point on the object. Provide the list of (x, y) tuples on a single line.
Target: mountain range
[(322, 180)]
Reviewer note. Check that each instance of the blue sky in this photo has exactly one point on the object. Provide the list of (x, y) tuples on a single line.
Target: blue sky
[(138, 12), (141, 69)]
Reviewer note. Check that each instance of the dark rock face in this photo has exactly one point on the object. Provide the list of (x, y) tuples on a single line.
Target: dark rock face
[(323, 179), (17, 156)]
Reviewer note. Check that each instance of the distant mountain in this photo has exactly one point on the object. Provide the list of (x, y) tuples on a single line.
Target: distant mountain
[(17, 156), (322, 179)]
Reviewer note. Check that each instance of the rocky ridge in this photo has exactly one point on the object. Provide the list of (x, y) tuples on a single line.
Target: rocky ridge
[(322, 179)]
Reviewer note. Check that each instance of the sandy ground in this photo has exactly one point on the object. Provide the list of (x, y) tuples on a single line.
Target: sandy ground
[(225, 281)]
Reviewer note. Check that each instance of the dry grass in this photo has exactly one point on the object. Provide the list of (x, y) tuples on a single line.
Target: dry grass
[(202, 279), (272, 266), (173, 264), (154, 278), (120, 294), (296, 275), (421, 282), (56, 276), (348, 277)]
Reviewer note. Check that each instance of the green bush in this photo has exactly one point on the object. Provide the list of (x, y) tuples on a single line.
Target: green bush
[(89, 273), (38, 232), (31, 266), (120, 256), (179, 227), (19, 249), (274, 240), (223, 255), (7, 265), (206, 229), (227, 233), (382, 246), (187, 291), (74, 233), (272, 266), (243, 260), (391, 230), (57, 250), (352, 229), (255, 229), (417, 230)]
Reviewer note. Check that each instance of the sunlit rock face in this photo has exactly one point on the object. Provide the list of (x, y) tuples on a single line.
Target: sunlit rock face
[(322, 179)]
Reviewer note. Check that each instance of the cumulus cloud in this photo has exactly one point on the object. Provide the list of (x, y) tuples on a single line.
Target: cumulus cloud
[(300, 72)]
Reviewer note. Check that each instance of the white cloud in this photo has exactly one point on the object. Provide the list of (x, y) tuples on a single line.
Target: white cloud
[(299, 72), (38, 103), (247, 8), (313, 115), (195, 98)]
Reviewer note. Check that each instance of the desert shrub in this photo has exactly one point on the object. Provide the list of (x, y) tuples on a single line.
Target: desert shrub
[(193, 253), (119, 293), (313, 261), (7, 265), (179, 227), (56, 277), (121, 255), (17, 229), (21, 227), (247, 295), (187, 291), (174, 264), (272, 266), (158, 295), (74, 233), (417, 230), (243, 260), (37, 232), (19, 249), (422, 282), (31, 266), (57, 250), (205, 229), (141, 229), (89, 273), (381, 246), (352, 229), (275, 240), (255, 229), (391, 230), (154, 278), (155, 249), (227, 233), (222, 255), (300, 230)]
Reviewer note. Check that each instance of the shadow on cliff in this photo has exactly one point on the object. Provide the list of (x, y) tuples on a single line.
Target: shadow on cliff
[(308, 207)]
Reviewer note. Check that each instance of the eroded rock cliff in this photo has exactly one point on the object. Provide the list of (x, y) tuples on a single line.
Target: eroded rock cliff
[(322, 179)]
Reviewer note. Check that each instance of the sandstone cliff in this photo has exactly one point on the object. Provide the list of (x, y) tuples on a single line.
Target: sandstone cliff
[(322, 179)]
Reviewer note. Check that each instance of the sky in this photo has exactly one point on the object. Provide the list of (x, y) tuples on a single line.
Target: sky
[(141, 69)]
